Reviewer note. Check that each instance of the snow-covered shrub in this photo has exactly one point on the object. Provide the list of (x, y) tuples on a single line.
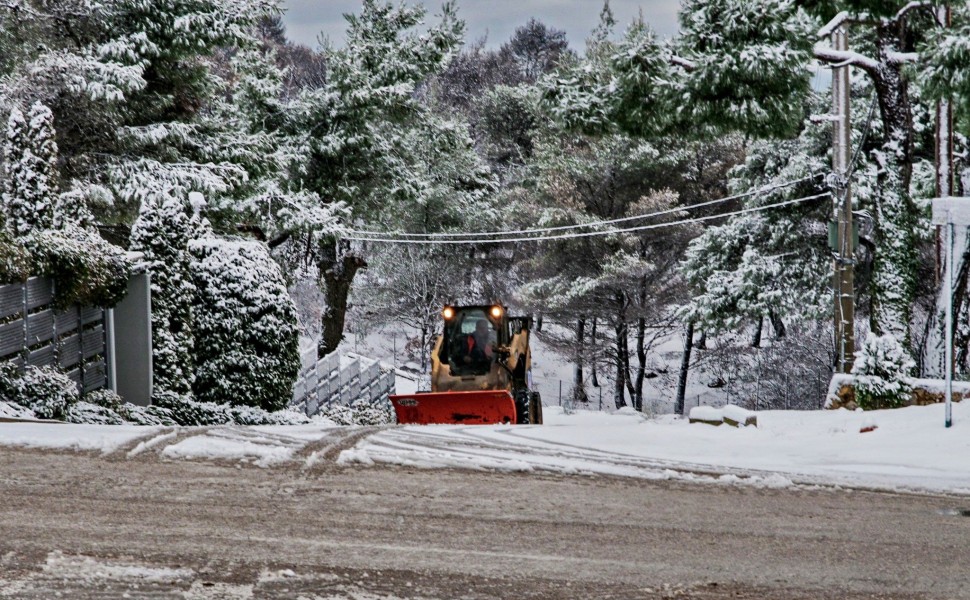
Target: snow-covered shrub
[(781, 373), (105, 398), (185, 411), (151, 415), (9, 375), (246, 335), (380, 413), (359, 413), (46, 391), (338, 413), (881, 367), (86, 269), (92, 414), (30, 155), (14, 260), (104, 407), (162, 232)]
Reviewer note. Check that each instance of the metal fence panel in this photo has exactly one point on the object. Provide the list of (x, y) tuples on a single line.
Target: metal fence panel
[(349, 372), (12, 338), (40, 327), (70, 351), (94, 376), (92, 341), (67, 320), (91, 315), (11, 299), (41, 357), (40, 292)]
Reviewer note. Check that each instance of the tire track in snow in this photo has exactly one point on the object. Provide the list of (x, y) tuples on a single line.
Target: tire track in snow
[(476, 449)]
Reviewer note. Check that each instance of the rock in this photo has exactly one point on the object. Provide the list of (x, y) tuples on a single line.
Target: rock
[(749, 421), (706, 421)]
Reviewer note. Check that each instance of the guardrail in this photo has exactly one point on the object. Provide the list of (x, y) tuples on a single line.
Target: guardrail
[(336, 379)]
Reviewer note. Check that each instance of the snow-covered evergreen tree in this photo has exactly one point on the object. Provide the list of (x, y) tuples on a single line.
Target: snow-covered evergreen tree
[(372, 135), (30, 153), (881, 368), (768, 265), (163, 232), (744, 65), (246, 336), (15, 166), (133, 88)]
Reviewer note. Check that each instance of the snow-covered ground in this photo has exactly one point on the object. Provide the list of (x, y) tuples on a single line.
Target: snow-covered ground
[(904, 449)]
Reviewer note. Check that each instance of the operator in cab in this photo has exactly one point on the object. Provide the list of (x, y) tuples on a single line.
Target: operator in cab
[(478, 345)]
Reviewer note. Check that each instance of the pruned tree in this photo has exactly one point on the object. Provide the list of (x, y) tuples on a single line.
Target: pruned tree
[(163, 232), (31, 186)]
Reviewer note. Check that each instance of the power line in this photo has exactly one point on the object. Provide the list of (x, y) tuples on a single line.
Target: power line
[(479, 234), (391, 240)]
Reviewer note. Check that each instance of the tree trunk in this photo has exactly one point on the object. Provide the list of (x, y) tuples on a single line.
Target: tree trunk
[(894, 264), (619, 387), (641, 346), (622, 350), (338, 267), (756, 338), (593, 379), (424, 349), (579, 384), (702, 341), (641, 364), (778, 325), (684, 369)]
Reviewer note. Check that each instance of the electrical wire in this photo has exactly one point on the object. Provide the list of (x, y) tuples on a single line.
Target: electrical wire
[(565, 236), (479, 234)]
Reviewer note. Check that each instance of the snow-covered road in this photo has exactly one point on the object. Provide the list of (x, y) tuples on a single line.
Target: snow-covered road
[(906, 449)]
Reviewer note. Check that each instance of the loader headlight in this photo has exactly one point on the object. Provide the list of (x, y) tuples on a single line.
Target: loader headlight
[(448, 313), (496, 312)]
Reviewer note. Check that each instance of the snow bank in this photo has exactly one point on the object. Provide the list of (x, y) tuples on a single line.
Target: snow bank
[(66, 436), (909, 449), (902, 449)]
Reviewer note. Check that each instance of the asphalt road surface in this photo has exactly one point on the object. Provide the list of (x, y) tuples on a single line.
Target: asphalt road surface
[(89, 526)]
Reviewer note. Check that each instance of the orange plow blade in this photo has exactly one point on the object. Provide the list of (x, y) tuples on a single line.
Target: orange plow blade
[(484, 407)]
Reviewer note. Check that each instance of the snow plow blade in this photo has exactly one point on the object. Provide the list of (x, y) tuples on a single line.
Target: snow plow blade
[(486, 407)]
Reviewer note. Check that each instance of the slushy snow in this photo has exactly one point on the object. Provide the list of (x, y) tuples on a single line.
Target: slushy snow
[(905, 449)]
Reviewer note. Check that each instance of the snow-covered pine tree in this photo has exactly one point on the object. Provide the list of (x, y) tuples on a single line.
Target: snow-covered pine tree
[(244, 321), (772, 265), (744, 66), (163, 232), (881, 368), (363, 117), (30, 153), (133, 87)]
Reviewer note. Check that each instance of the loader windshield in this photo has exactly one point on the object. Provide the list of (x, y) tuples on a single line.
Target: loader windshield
[(471, 339)]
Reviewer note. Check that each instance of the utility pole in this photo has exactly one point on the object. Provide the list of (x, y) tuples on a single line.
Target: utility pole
[(944, 189), (844, 238)]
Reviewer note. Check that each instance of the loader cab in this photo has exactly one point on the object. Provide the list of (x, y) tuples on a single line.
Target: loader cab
[(473, 336)]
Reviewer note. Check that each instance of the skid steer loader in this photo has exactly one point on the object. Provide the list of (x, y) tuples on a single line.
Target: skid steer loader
[(481, 372)]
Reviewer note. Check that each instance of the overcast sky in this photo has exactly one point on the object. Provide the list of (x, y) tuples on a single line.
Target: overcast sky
[(496, 19)]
